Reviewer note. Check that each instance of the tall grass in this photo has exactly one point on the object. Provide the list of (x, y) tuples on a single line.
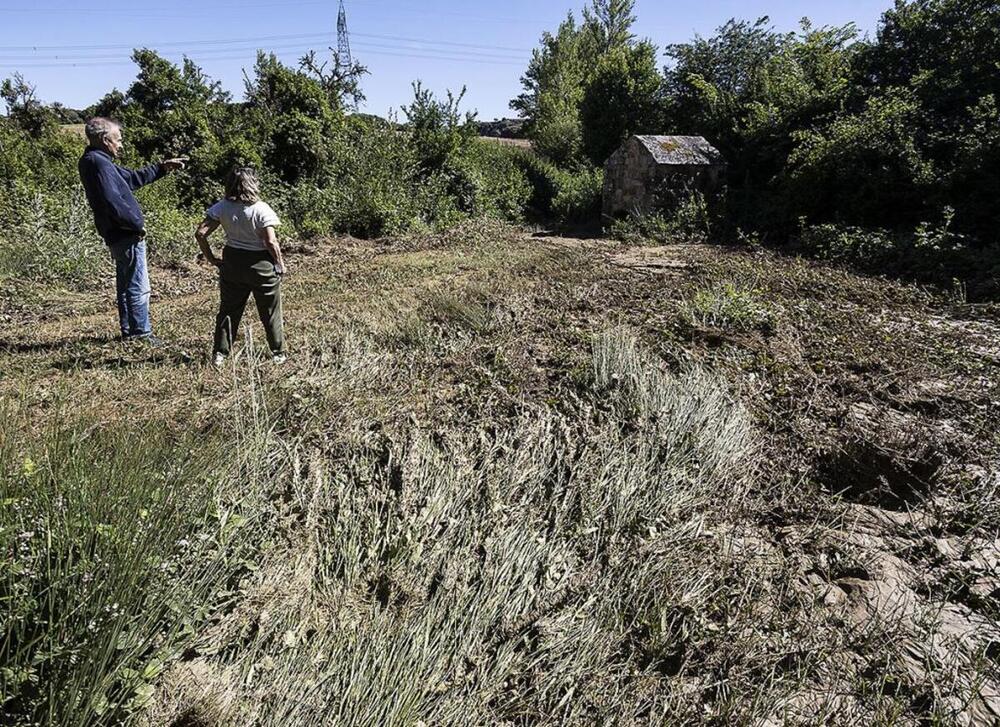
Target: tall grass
[(501, 578), (119, 542), (543, 571), (47, 237)]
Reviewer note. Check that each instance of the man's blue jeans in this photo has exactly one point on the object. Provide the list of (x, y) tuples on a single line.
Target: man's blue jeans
[(132, 287)]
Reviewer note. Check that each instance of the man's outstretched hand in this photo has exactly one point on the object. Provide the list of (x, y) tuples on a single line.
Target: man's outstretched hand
[(174, 164)]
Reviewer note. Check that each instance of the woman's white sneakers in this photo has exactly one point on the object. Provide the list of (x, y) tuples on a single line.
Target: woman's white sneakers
[(219, 360)]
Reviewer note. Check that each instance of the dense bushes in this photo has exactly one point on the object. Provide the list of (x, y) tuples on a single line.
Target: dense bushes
[(932, 252), (44, 234), (819, 127), (865, 167), (560, 194), (868, 137), (686, 216), (324, 171)]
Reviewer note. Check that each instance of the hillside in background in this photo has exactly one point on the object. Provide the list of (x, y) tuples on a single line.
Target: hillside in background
[(503, 128)]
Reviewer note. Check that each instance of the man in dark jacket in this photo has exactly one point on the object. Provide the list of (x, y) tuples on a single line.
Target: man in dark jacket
[(119, 220)]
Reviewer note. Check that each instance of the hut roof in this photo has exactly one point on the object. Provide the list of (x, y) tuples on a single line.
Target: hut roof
[(681, 150)]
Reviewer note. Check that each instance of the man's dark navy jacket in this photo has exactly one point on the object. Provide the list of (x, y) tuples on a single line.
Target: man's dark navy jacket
[(109, 190)]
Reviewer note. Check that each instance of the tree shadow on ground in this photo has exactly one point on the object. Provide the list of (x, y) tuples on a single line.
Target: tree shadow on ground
[(110, 353), (582, 231), (125, 360), (20, 347)]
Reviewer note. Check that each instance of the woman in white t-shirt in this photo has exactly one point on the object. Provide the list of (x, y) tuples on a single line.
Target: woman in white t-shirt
[(251, 262)]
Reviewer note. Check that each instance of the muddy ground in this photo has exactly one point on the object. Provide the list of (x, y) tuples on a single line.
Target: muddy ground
[(859, 579)]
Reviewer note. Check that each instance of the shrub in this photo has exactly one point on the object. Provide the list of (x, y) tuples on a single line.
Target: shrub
[(863, 247), (170, 111), (24, 110), (559, 139), (291, 119), (369, 189), (865, 169), (578, 195), (932, 253), (439, 131), (495, 185), (731, 305), (561, 195), (687, 217), (48, 237), (169, 223), (543, 176)]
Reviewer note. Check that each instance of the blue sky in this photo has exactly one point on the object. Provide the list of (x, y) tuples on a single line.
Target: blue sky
[(73, 52)]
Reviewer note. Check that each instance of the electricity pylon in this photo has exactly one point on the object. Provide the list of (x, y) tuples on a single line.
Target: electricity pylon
[(343, 40)]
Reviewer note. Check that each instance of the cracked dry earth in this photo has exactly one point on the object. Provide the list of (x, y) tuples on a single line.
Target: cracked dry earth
[(871, 550)]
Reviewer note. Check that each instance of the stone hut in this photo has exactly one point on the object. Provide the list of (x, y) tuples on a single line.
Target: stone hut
[(640, 175)]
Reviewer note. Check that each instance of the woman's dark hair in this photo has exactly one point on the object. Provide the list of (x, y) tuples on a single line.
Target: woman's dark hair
[(242, 185)]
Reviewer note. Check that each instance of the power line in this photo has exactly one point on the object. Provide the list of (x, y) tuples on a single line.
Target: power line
[(442, 42), (211, 52), (459, 58), (283, 6), (200, 53), (519, 59), (129, 46), (427, 55), (255, 39)]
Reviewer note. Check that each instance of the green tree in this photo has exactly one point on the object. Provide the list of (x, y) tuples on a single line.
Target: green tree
[(110, 105), (944, 52), (293, 120), (712, 81), (554, 85), (587, 86), (621, 99), (24, 110), (748, 89), (608, 23), (342, 85), (172, 110)]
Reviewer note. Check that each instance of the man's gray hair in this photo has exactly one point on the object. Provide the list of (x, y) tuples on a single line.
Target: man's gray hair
[(98, 128)]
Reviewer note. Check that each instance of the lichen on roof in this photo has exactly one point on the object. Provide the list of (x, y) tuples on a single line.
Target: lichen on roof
[(681, 150)]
